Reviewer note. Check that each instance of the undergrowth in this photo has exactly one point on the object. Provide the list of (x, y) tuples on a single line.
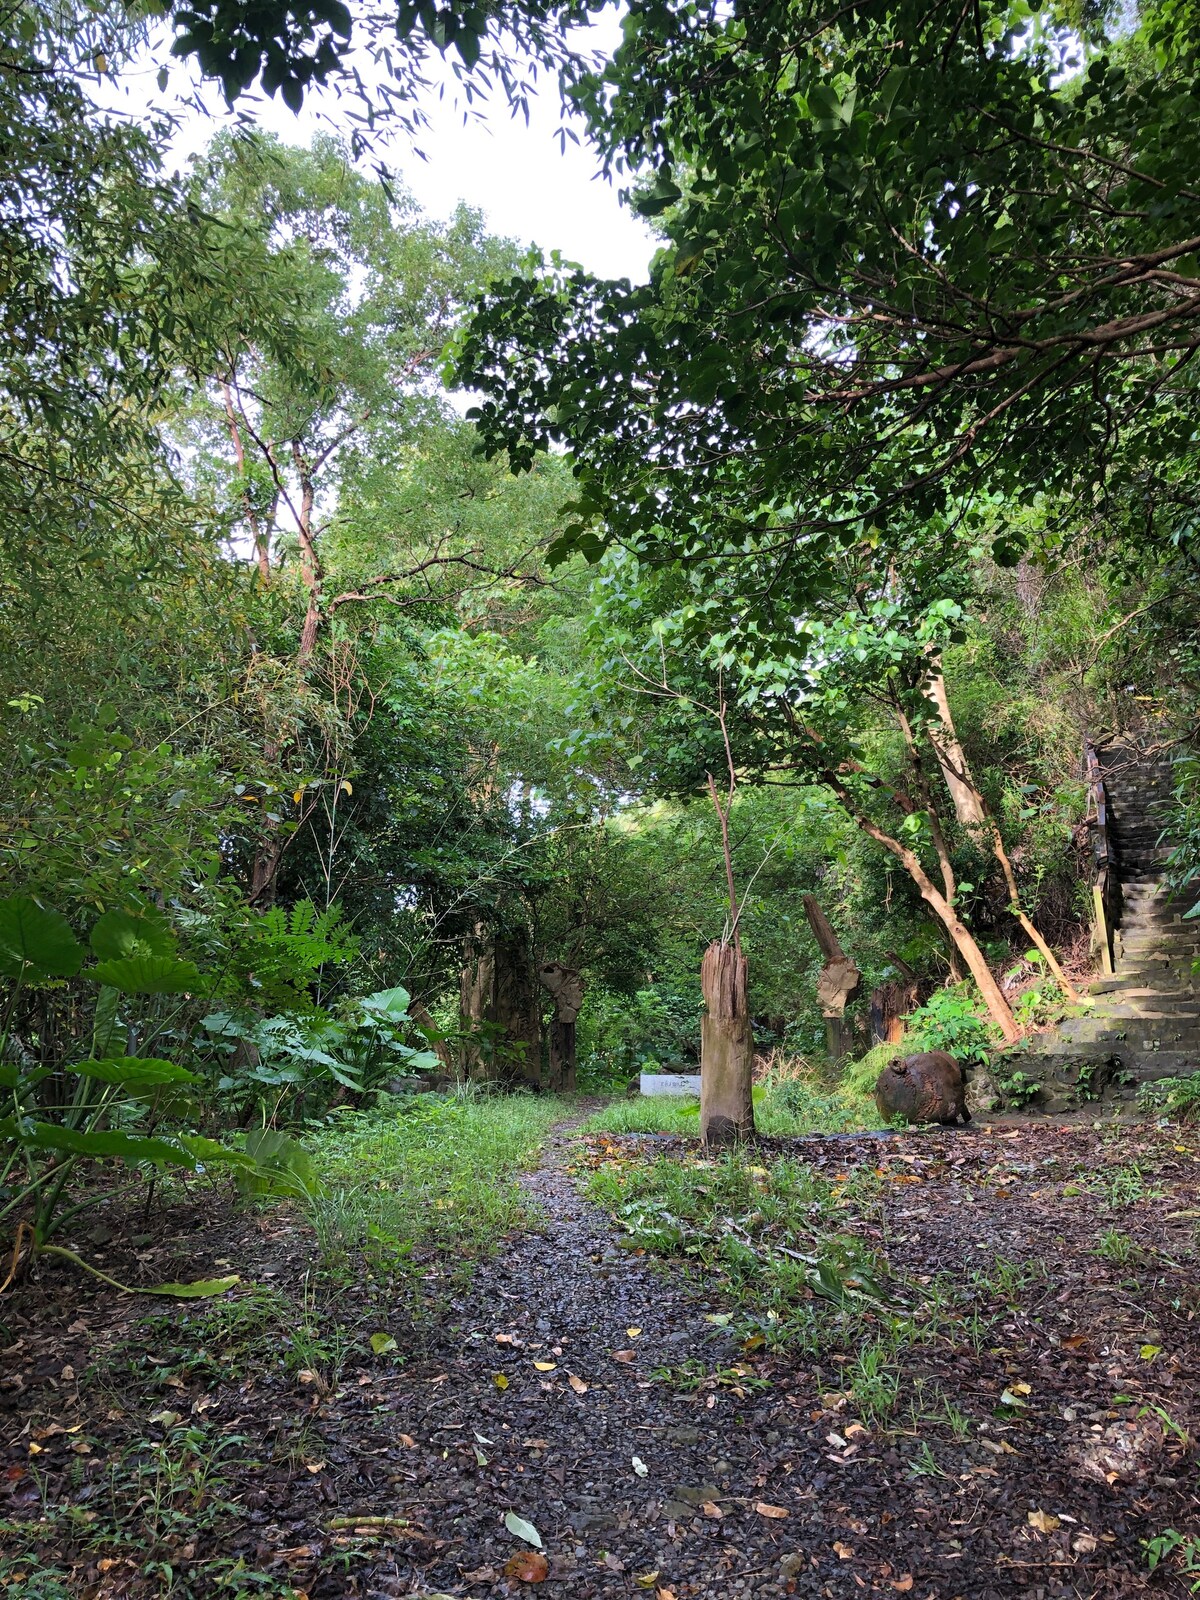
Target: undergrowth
[(786, 1104), (430, 1175)]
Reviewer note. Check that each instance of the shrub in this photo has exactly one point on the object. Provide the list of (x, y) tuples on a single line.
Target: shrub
[(949, 1021)]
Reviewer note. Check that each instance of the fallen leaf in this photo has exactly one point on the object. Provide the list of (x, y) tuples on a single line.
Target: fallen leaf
[(662, 1593), (407, 1440), (646, 1580), (522, 1529), (479, 1439), (499, 1380), (998, 1447), (1084, 1544), (481, 1575), (577, 1383), (381, 1343), (507, 1338), (719, 1319), (1149, 1351), (480, 1459), (764, 1510), (1043, 1521), (613, 1563), (903, 1583), (528, 1444), (527, 1566), (1010, 1397), (844, 1552), (623, 1355), (1077, 1341), (640, 1467), (633, 1333), (546, 1366), (710, 1508)]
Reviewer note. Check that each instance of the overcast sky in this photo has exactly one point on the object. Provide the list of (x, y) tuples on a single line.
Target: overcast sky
[(528, 187)]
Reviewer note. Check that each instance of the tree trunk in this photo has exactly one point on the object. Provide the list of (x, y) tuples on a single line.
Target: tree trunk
[(566, 987), (475, 1003), (517, 1014), (968, 802), (419, 1013), (943, 909), (838, 983), (726, 1047), (972, 810)]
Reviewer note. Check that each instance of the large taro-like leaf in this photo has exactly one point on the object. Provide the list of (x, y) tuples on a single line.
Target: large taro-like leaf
[(36, 943), (148, 975), (391, 1002), (144, 1071), (198, 1289), (121, 934), (101, 1143)]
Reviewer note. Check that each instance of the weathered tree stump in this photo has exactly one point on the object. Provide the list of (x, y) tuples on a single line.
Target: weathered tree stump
[(928, 1087), (726, 1047)]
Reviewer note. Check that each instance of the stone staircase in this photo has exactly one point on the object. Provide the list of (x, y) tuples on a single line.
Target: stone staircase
[(1143, 1022)]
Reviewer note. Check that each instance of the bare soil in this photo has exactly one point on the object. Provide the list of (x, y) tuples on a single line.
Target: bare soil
[(537, 1390)]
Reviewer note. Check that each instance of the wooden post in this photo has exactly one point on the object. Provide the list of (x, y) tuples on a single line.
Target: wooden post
[(838, 982), (726, 1047)]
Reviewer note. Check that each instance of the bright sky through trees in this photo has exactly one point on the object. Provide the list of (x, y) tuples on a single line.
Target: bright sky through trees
[(529, 187)]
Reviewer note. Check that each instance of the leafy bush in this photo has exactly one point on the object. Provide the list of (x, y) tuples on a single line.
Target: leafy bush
[(1172, 1097), (1018, 1089), (106, 1105), (949, 1021), (619, 1034), (861, 1076), (294, 1060)]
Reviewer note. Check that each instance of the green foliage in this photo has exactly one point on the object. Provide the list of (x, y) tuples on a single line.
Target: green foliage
[(101, 1108), (1018, 1089), (949, 1020), (1172, 1097), (766, 1236), (861, 1076), (430, 1179), (1184, 1548)]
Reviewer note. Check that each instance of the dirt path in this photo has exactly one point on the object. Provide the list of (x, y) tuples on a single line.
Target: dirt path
[(866, 1511), (539, 1391)]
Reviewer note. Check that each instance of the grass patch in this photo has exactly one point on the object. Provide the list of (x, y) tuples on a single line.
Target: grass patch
[(426, 1177), (785, 1106), (767, 1238)]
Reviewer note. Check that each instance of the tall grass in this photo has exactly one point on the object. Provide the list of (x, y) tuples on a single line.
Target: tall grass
[(792, 1098), (434, 1176)]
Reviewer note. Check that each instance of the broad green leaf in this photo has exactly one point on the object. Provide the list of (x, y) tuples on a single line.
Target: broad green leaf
[(381, 1343), (210, 1152), (120, 934), (108, 1034), (199, 1289), (148, 975), (146, 1071), (522, 1529), (392, 1001), (98, 1142), (36, 943)]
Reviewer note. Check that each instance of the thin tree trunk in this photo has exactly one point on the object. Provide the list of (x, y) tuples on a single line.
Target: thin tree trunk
[(726, 1047), (260, 534), (943, 909), (968, 802), (310, 565), (972, 810)]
